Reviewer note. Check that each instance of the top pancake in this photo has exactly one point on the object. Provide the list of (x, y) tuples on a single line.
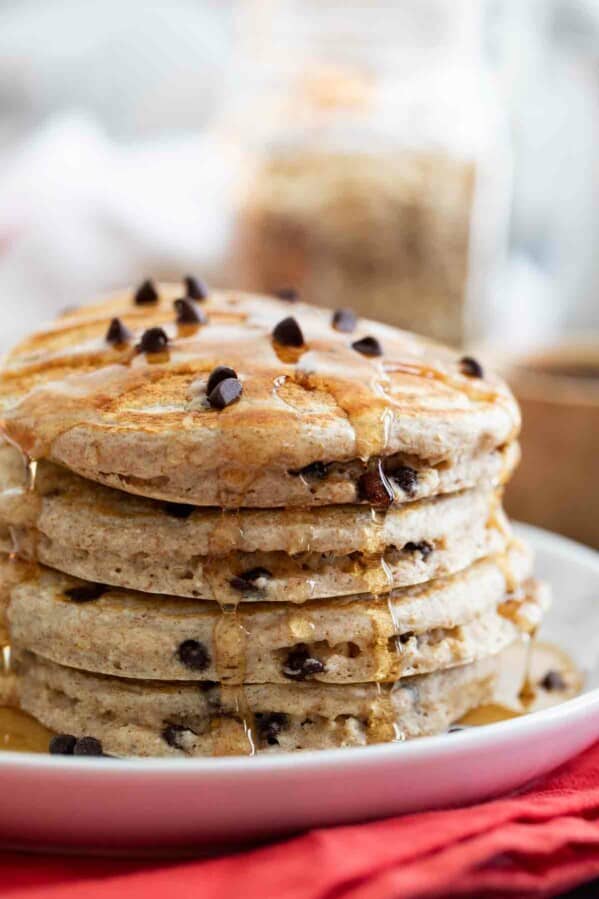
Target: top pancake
[(140, 421)]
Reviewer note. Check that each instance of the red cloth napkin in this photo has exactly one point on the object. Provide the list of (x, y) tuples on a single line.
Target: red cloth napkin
[(537, 843)]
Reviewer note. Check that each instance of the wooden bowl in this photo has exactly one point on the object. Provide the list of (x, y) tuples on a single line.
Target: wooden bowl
[(557, 483)]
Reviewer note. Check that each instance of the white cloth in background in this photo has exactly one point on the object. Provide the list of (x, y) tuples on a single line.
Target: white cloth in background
[(80, 214)]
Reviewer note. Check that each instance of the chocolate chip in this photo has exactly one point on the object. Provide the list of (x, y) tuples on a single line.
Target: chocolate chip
[(289, 294), (218, 374), (171, 733), (300, 664), (374, 487), (270, 725), (246, 582), (88, 746), (178, 510), (344, 320), (254, 574), (86, 592), (195, 288), (188, 313), (154, 340), (471, 367), (423, 547), (288, 332), (243, 586), (553, 680), (225, 393), (117, 333), (368, 346), (403, 638), (406, 478), (62, 744), (145, 294), (194, 655), (315, 470)]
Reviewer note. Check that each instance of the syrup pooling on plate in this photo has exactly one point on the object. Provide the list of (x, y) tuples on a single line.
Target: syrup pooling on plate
[(542, 661), (20, 732)]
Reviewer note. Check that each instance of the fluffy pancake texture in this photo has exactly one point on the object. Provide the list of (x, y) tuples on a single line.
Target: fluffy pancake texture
[(104, 535), (141, 421), (151, 718), (362, 638)]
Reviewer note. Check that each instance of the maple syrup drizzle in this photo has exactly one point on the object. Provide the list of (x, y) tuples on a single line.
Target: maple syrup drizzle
[(229, 640)]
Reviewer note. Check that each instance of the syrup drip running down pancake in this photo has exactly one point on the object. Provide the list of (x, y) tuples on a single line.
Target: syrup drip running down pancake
[(140, 421)]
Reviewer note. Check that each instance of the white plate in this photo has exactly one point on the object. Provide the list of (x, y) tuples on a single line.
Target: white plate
[(51, 802)]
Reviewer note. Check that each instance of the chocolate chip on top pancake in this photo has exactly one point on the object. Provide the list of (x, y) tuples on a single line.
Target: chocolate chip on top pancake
[(128, 404)]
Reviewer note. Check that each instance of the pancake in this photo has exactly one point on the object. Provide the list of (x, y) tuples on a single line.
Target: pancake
[(140, 421), (141, 718), (104, 535), (437, 625)]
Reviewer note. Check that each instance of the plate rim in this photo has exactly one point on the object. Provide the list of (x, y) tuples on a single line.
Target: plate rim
[(438, 746)]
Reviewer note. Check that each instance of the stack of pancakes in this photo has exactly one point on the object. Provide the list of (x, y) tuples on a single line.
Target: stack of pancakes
[(235, 523)]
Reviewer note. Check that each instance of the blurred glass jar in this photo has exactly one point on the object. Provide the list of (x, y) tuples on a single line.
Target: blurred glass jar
[(378, 171)]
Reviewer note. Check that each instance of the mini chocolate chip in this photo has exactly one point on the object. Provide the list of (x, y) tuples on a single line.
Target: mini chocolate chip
[(178, 510), (254, 574), (316, 470), (88, 746), (344, 320), (62, 744), (368, 346), (374, 487), (403, 638), (553, 680), (288, 332), (145, 294), (270, 725), (471, 367), (312, 666), (225, 393), (188, 313), (171, 733), (117, 333), (289, 294), (194, 655), (218, 374), (423, 547), (406, 478), (86, 592), (154, 340), (195, 288), (243, 585), (300, 664)]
